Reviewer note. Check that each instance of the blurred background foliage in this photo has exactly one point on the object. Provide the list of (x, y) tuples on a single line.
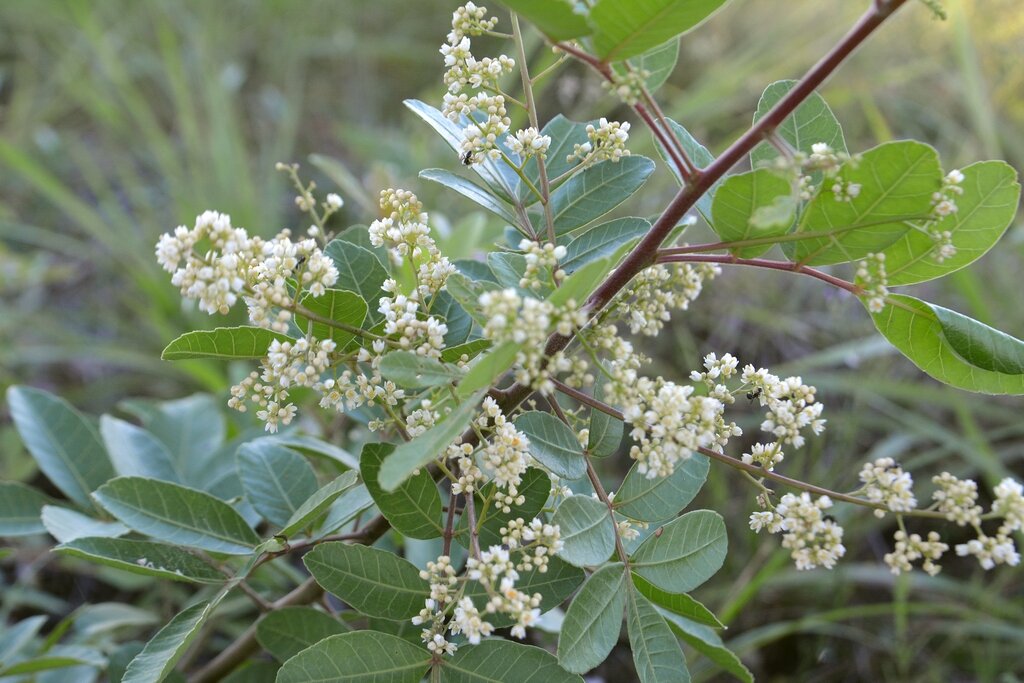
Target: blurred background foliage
[(121, 119)]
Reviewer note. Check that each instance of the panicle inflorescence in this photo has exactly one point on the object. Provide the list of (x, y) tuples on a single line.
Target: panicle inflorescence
[(885, 483), (606, 140)]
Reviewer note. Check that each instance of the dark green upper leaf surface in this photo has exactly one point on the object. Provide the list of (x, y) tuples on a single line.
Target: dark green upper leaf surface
[(626, 28), (557, 20), (897, 181), (341, 306), (286, 631), (679, 603), (64, 444), (653, 500), (222, 342), (358, 657), (753, 205), (953, 348), (811, 122), (414, 507), (276, 480), (596, 190), (504, 661), (376, 582), (984, 211), (143, 557), (177, 514), (359, 271), (593, 620), (687, 552), (706, 641), (553, 444)]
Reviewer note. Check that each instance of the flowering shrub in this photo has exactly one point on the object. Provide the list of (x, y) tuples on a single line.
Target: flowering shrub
[(488, 389)]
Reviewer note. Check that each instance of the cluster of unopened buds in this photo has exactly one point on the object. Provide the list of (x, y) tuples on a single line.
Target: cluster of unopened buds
[(872, 279)]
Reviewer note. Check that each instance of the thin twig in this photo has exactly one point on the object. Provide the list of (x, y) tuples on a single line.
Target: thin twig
[(787, 266)]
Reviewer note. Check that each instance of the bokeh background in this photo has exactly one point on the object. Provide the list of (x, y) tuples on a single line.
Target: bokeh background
[(120, 119)]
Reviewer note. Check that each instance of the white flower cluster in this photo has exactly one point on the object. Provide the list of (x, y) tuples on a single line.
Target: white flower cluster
[(999, 549), (537, 540), (812, 538), (465, 71), (669, 424), (607, 140), (235, 264), (541, 263), (943, 205), (506, 454), (423, 335), (628, 86), (286, 365), (872, 279), (885, 483), (822, 159), (529, 321), (791, 405), (766, 456), (647, 303), (528, 142), (911, 548), (957, 499)]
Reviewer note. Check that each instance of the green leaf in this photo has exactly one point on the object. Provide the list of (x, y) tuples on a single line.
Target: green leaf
[(359, 271), (509, 268), (276, 480), (652, 500), (593, 620), (488, 368), (897, 180), (414, 507), (312, 446), (596, 190), (811, 122), (753, 205), (700, 156), (192, 428), (287, 631), (679, 603), (143, 557), (59, 657), (467, 292), (412, 455), (626, 28), (317, 504), (557, 20), (565, 135), (953, 348), (469, 349), (223, 342), (472, 192), (64, 444), (20, 509), (578, 286), (984, 211), (659, 62), (501, 179), (588, 534), (708, 643), (553, 444), (503, 661), (375, 582), (177, 514), (474, 271), (656, 652), (67, 525), (460, 324), (358, 657), (162, 652), (535, 488), (685, 554), (605, 431), (137, 453), (602, 241), (344, 307), (344, 509)]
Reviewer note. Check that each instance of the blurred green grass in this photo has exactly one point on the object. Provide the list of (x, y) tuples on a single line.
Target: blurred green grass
[(120, 119)]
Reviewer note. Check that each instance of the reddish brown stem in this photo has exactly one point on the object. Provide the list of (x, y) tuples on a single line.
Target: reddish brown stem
[(762, 263)]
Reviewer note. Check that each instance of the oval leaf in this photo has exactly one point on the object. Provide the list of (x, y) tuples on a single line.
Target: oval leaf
[(653, 500), (375, 582), (411, 370), (223, 342), (687, 552), (472, 192), (276, 480), (626, 28), (553, 444), (753, 205), (341, 306), (143, 557), (601, 241), (953, 348), (287, 631), (656, 652), (811, 122), (67, 525), (64, 444), (678, 603), (593, 620), (596, 190), (557, 20), (588, 534), (137, 453), (414, 507), (162, 652), (503, 661), (20, 509), (317, 504), (358, 657), (177, 514), (704, 640)]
